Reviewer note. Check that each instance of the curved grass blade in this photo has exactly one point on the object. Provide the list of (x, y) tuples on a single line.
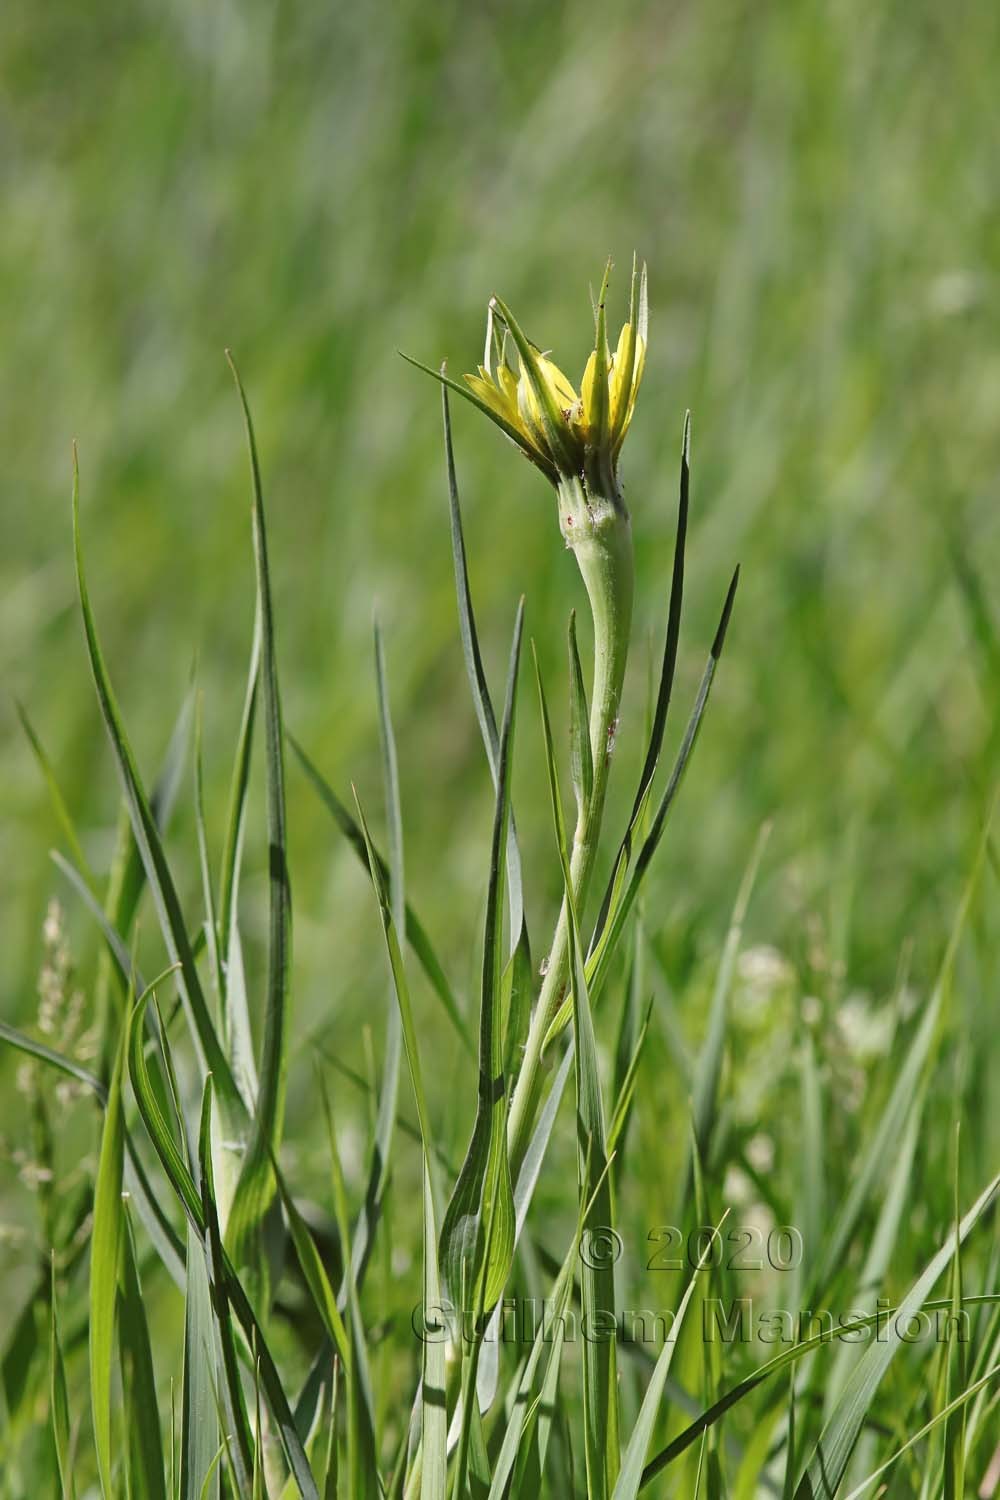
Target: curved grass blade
[(236, 1016), (255, 1189), (518, 978), (147, 837), (378, 1172), (105, 1265), (483, 1193), (415, 933)]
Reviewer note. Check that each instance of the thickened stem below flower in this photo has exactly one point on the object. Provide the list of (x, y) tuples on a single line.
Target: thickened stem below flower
[(600, 534)]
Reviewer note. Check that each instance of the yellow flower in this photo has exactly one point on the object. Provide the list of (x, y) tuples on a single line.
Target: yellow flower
[(568, 435)]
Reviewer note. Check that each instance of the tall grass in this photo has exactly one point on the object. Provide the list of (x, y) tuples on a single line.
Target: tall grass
[(211, 1316)]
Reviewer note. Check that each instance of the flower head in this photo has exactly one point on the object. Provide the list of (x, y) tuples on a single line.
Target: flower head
[(568, 434)]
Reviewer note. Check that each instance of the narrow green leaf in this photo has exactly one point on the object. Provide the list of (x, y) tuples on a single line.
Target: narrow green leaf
[(105, 1263), (604, 944), (519, 1005), (665, 688), (483, 1190), (149, 843), (255, 1189), (236, 1017)]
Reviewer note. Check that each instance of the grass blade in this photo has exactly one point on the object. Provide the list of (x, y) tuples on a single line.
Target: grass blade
[(603, 947), (483, 1192), (236, 1016), (147, 837), (667, 672), (105, 1263), (255, 1189), (521, 975)]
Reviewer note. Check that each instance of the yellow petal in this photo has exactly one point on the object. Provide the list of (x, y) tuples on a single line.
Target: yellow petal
[(557, 383), (620, 374), (507, 381), (622, 379), (496, 400), (587, 389)]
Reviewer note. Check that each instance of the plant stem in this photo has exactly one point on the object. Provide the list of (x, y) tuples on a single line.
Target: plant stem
[(599, 532)]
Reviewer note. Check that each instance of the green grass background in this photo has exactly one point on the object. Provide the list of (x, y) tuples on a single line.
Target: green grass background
[(814, 189)]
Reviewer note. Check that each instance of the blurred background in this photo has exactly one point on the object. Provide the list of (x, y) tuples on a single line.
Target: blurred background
[(814, 188)]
